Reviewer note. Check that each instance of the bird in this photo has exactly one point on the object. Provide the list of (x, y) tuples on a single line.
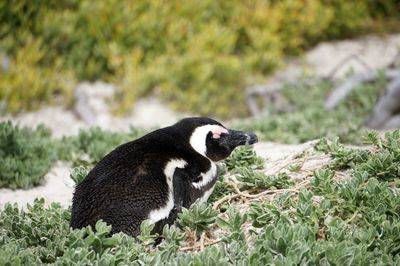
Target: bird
[(155, 176)]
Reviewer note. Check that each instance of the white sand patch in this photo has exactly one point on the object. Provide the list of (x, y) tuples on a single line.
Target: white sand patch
[(54, 189), (271, 151)]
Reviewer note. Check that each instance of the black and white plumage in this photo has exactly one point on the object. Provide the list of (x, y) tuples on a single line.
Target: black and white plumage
[(156, 175)]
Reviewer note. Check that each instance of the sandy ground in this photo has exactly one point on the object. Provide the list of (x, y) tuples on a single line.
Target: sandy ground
[(54, 189), (375, 52)]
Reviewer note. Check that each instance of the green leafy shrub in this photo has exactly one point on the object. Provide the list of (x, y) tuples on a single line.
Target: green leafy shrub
[(343, 226), (188, 52), (343, 157), (234, 224), (78, 174), (244, 156), (250, 180), (198, 217), (26, 155), (42, 235), (27, 83), (234, 45)]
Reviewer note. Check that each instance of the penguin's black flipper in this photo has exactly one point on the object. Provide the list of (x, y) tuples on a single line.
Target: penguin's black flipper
[(181, 185)]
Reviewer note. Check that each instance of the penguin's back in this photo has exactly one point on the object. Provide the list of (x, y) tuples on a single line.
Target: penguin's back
[(126, 184)]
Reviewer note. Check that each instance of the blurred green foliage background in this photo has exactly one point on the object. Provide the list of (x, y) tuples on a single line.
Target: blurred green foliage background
[(197, 55)]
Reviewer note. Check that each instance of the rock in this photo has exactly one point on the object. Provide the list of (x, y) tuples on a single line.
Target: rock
[(59, 120), (376, 52), (148, 113), (91, 109), (5, 63), (90, 102), (91, 106)]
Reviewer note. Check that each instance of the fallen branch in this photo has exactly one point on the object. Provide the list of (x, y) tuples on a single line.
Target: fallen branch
[(225, 199), (343, 90), (271, 191), (354, 57), (203, 235), (386, 108)]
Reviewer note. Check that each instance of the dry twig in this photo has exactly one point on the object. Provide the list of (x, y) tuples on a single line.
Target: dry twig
[(194, 247)]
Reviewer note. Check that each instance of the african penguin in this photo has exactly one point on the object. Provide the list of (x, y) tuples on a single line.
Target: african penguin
[(154, 176)]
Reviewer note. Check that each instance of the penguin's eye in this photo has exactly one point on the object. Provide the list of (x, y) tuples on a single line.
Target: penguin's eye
[(210, 137)]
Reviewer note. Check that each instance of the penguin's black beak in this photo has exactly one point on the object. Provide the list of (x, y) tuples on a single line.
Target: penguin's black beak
[(236, 138)]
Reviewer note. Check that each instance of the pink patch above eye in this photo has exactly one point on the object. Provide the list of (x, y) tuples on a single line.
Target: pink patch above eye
[(218, 131), (216, 136)]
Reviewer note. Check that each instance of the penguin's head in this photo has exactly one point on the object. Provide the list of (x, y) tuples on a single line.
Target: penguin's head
[(211, 139)]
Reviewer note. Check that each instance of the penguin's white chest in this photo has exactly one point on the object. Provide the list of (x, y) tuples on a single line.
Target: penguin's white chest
[(163, 212)]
